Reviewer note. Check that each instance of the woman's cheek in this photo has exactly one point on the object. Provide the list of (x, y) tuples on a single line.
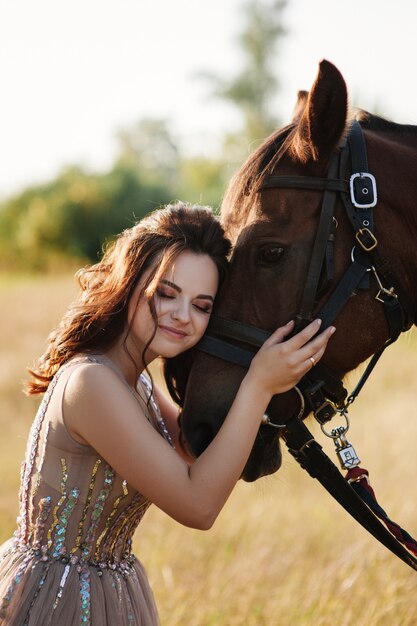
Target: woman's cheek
[(163, 306), (203, 325)]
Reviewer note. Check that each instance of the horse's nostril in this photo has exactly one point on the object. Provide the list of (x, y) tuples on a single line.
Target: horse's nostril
[(201, 436)]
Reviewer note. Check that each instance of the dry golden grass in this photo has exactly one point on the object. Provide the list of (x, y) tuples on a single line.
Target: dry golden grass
[(282, 552)]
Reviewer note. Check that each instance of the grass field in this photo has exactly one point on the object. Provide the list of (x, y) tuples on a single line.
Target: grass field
[(282, 551)]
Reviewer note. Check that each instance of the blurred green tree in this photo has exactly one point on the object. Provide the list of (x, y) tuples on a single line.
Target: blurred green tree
[(202, 180), (149, 148), (72, 216), (253, 89)]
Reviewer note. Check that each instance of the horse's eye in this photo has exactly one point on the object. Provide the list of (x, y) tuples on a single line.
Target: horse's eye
[(270, 254)]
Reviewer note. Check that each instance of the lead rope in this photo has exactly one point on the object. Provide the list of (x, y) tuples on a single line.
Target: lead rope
[(310, 455), (358, 479)]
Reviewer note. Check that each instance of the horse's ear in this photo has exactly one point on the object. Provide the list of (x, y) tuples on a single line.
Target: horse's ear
[(299, 105), (322, 121)]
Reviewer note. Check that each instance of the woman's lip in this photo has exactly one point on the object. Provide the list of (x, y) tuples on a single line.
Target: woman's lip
[(174, 332)]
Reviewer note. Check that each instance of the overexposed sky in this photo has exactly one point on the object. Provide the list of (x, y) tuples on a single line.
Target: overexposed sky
[(72, 73)]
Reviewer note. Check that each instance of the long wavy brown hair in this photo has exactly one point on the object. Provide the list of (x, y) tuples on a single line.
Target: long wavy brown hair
[(99, 317)]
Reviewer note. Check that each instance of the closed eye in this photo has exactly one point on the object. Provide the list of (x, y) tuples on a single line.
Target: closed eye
[(204, 308), (165, 294)]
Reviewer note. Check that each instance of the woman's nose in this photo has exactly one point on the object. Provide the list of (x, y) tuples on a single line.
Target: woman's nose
[(180, 311)]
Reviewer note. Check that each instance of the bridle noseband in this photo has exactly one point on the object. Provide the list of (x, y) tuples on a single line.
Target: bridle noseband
[(320, 391)]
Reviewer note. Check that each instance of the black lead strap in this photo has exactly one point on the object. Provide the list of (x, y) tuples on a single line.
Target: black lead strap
[(309, 454)]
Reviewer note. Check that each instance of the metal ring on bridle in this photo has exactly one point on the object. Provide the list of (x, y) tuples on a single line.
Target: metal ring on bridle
[(266, 421), (352, 258), (335, 433)]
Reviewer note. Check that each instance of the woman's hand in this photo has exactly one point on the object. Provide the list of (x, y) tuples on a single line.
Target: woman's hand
[(279, 364)]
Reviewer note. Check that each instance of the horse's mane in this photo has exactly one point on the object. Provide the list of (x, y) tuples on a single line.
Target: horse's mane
[(248, 179), (369, 121)]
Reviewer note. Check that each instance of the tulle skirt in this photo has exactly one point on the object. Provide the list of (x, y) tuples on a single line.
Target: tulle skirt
[(36, 592)]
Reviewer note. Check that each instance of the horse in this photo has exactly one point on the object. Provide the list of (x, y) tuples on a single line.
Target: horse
[(272, 211)]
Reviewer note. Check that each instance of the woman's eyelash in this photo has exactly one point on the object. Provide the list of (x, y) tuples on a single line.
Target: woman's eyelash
[(163, 294), (168, 296), (203, 309)]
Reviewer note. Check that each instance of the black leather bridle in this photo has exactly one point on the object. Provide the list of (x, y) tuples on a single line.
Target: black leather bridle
[(237, 342), (323, 392)]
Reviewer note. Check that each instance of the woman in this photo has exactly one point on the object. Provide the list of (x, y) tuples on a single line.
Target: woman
[(101, 450)]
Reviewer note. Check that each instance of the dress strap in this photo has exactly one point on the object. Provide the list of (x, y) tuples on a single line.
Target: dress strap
[(160, 422)]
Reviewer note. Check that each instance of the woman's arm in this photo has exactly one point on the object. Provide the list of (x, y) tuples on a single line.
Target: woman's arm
[(99, 408)]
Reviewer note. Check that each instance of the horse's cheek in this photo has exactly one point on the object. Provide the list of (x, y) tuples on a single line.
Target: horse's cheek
[(211, 388)]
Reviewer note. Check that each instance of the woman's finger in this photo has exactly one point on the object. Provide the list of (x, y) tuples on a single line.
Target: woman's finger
[(279, 334), (312, 360), (317, 345), (305, 335)]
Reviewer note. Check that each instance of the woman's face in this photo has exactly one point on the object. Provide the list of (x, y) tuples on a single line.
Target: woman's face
[(183, 302)]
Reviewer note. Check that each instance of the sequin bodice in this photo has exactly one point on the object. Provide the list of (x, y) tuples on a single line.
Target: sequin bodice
[(74, 508)]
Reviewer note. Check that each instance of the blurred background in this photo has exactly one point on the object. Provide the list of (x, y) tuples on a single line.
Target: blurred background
[(110, 109)]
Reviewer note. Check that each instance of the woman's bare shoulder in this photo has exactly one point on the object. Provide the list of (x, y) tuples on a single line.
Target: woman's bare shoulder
[(93, 382)]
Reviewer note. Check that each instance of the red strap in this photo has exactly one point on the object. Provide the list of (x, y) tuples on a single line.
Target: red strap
[(358, 478)]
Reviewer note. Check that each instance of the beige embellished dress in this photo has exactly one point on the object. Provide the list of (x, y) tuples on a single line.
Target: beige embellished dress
[(70, 562)]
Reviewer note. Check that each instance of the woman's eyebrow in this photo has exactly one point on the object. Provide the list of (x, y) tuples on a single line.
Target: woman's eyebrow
[(204, 296), (201, 296), (173, 285)]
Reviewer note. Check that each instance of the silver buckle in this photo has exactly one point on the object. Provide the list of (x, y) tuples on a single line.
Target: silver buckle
[(362, 205)]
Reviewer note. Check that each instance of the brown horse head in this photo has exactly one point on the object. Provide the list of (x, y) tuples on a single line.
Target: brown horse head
[(273, 231)]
